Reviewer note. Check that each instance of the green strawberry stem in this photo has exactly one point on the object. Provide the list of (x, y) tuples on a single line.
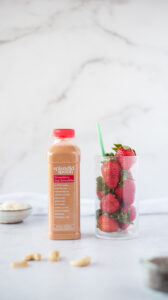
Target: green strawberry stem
[(100, 139)]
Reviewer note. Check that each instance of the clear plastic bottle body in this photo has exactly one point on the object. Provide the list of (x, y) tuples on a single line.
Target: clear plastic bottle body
[(64, 189), (116, 197)]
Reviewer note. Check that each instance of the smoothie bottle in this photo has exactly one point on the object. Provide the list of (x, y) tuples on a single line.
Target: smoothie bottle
[(64, 186)]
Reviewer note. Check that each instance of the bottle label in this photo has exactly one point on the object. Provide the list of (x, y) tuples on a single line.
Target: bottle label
[(64, 196), (63, 178)]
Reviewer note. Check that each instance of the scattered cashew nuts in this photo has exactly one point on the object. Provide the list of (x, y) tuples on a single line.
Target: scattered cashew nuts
[(85, 261), (54, 255), (33, 256), (19, 264)]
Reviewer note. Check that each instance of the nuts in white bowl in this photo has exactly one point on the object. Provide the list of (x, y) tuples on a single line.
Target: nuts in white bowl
[(14, 212), (13, 206)]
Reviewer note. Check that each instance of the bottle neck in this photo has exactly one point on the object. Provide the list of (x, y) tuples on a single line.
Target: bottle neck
[(62, 140)]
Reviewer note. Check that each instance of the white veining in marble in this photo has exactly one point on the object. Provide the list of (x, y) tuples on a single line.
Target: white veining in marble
[(71, 63)]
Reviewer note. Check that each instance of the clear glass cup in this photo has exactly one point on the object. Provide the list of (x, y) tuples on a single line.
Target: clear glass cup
[(116, 197)]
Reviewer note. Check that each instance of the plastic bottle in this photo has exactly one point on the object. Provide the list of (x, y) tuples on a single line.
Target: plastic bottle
[(64, 186)]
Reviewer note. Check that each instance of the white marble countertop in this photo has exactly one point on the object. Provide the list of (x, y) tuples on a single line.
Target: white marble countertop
[(115, 271)]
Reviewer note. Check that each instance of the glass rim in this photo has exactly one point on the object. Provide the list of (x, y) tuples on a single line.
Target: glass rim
[(112, 156)]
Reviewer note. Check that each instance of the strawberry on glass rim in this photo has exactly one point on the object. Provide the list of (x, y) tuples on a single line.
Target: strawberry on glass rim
[(121, 153)]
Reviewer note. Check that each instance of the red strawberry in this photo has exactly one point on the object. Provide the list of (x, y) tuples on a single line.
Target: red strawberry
[(111, 173), (126, 192), (119, 192), (109, 203), (122, 152), (131, 212), (100, 195), (124, 225), (107, 224)]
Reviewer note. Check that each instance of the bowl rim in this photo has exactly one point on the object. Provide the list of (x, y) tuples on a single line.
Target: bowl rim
[(151, 265)]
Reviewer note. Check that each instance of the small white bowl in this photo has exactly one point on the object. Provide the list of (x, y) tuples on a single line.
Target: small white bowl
[(14, 216)]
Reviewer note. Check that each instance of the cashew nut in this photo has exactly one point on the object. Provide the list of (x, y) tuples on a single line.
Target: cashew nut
[(19, 264), (54, 255), (85, 261), (33, 256)]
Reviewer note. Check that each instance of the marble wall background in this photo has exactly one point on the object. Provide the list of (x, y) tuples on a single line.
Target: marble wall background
[(71, 63)]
